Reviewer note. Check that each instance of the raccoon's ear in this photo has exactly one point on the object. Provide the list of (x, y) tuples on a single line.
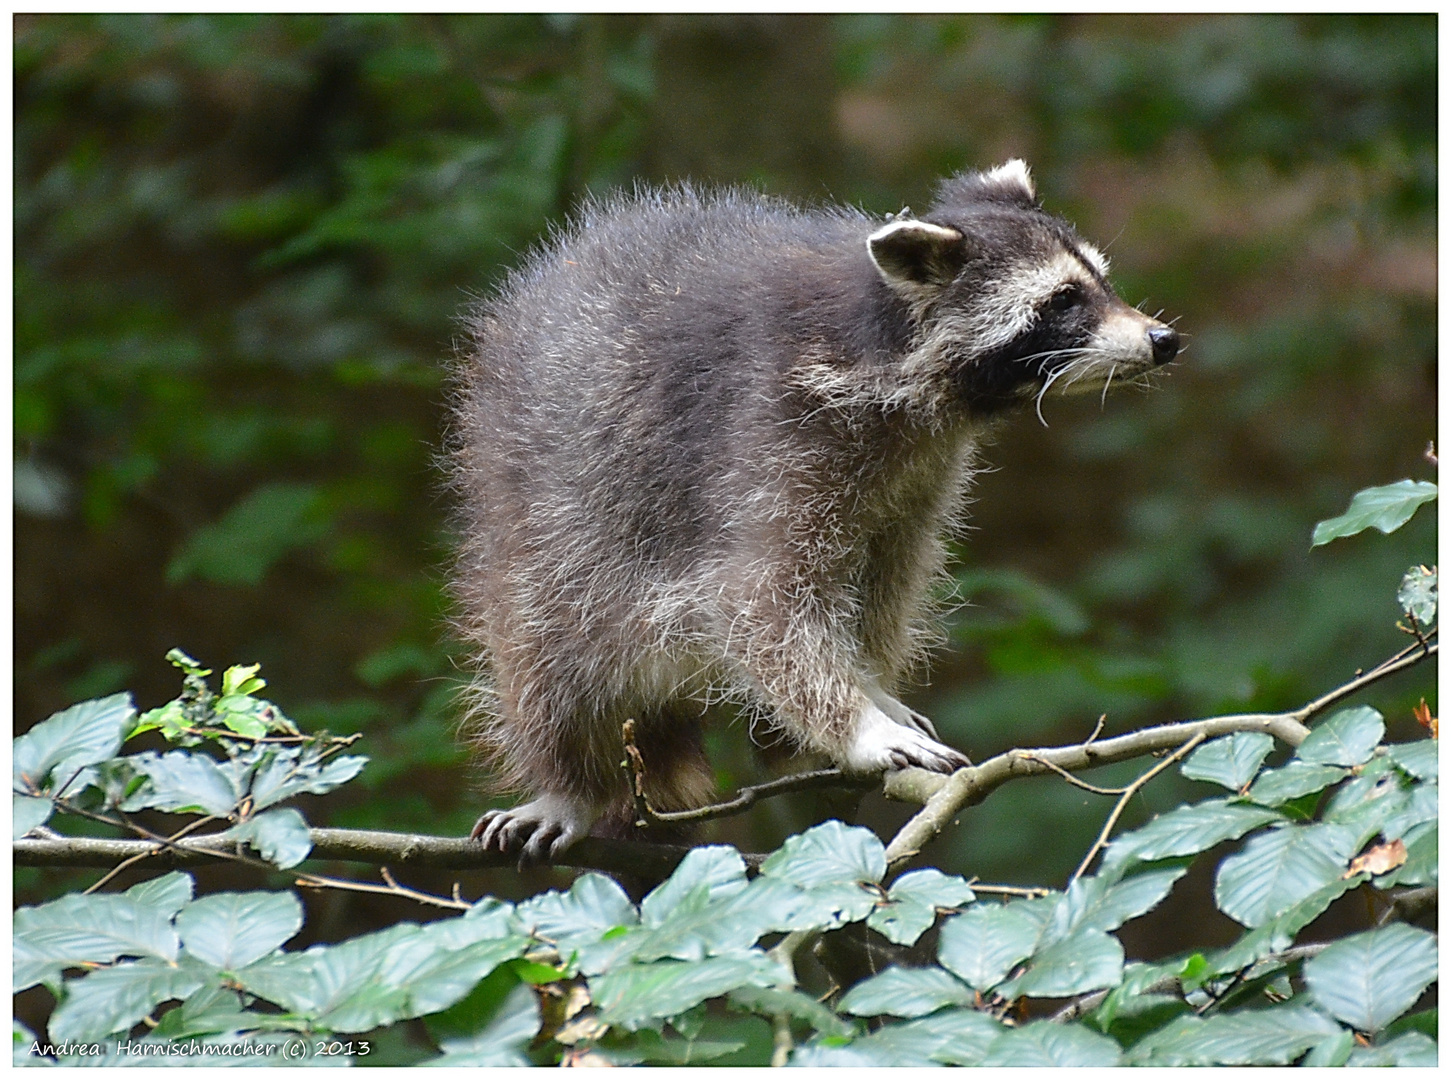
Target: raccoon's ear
[(911, 254)]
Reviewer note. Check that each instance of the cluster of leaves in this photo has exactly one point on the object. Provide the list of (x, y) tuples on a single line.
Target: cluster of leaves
[(684, 977), (72, 760)]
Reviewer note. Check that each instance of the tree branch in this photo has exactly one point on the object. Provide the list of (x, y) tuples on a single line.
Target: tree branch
[(942, 797)]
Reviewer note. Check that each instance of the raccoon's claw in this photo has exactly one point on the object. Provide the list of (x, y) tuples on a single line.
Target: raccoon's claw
[(899, 713), (881, 743), (540, 830)]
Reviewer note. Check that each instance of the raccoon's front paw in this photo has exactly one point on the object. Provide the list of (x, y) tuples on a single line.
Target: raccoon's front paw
[(540, 830), (880, 743), (901, 714)]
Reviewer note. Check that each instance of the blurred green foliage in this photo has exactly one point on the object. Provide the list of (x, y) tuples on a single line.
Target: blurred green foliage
[(242, 242)]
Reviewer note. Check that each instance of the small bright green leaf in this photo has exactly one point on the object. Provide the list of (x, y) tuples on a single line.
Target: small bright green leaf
[(1279, 868), (240, 679), (1385, 508), (1275, 1036), (1190, 830), (114, 999), (1417, 595), (231, 930), (1417, 758), (1275, 787), (1087, 960), (165, 895), (907, 992), (635, 994), (56, 748), (77, 930), (30, 812), (829, 854), (1347, 738), (1369, 979), (983, 944), (1049, 1045), (1230, 761)]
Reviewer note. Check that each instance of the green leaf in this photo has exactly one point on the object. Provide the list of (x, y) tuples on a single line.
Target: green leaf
[(1049, 1045), (829, 854), (776, 1001), (1369, 979), (280, 836), (63, 745), (241, 679), (500, 1043), (1101, 903), (1280, 931), (334, 986), (635, 994), (983, 944), (1230, 761), (1190, 830), (231, 930), (947, 1037), (165, 895), (1417, 758), (1086, 960), (705, 874), (294, 771), (656, 1048), (179, 780), (1275, 787), (1331, 1052), (30, 812), (1413, 1048), (594, 905), (912, 904), (1417, 595), (1385, 508), (77, 930), (1275, 1036), (115, 999), (1278, 869), (1348, 738), (907, 992)]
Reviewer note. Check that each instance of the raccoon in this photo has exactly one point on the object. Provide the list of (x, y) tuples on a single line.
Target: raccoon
[(708, 446)]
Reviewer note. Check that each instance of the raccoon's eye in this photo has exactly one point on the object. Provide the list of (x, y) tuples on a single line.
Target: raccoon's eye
[(1069, 296)]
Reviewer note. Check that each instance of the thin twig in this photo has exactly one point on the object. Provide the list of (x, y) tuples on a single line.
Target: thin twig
[(1084, 784), (390, 887), (1122, 804), (1030, 891), (185, 830)]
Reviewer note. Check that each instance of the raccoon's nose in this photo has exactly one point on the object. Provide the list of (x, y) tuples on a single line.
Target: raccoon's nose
[(1164, 340)]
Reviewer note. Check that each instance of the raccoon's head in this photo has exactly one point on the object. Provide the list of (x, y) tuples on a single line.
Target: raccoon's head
[(1010, 302)]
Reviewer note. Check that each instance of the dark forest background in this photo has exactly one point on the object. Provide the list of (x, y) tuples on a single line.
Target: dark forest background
[(241, 244)]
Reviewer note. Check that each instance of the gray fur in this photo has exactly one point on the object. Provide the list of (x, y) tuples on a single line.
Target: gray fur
[(708, 447)]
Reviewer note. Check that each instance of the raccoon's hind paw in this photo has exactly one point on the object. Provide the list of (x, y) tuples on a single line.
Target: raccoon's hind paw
[(540, 830), (881, 743)]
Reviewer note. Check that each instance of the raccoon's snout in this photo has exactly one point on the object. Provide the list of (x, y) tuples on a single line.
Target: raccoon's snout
[(1164, 340)]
